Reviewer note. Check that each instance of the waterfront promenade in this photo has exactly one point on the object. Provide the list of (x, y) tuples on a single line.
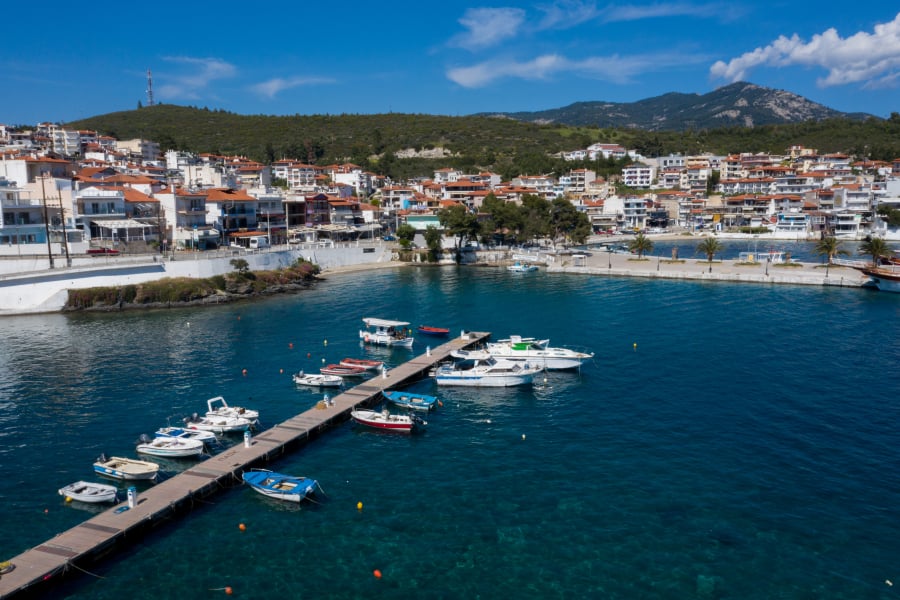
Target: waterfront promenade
[(70, 552), (602, 263)]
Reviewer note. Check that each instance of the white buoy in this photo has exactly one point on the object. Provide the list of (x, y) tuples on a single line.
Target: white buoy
[(247, 439)]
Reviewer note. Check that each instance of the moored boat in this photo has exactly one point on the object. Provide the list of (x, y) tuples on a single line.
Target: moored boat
[(218, 424), (886, 279), (86, 491), (317, 380), (433, 331), (537, 353), (477, 368), (207, 437), (217, 407), (343, 371), (521, 267), (126, 468), (410, 400), (283, 487), (384, 332), (386, 421), (169, 447), (368, 364)]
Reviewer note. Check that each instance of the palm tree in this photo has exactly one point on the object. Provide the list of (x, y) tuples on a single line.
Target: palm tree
[(830, 247), (875, 247), (640, 245), (710, 247)]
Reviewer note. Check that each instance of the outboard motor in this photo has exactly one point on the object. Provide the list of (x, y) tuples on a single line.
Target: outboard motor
[(145, 439), (102, 458)]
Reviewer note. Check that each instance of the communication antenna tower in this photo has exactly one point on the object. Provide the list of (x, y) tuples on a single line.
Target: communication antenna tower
[(149, 88)]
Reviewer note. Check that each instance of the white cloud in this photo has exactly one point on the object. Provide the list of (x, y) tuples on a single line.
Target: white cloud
[(869, 58), (566, 14), (488, 26), (273, 86), (203, 71), (613, 68), (631, 12)]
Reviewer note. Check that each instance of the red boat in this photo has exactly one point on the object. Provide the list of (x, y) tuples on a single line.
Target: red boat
[(435, 331), (342, 371), (385, 421), (365, 363)]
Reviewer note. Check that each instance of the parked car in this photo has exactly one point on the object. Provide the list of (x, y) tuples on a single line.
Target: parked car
[(389, 238)]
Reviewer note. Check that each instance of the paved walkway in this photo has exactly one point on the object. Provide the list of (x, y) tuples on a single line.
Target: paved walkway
[(628, 265)]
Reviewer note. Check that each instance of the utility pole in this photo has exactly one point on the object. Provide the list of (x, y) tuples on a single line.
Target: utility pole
[(46, 219), (62, 217)]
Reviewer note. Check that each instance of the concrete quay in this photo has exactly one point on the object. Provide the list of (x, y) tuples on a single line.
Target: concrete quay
[(610, 264)]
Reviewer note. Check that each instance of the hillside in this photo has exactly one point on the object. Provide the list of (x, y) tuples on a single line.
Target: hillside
[(739, 104)]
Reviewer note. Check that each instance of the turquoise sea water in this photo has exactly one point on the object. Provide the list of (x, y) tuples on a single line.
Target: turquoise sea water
[(728, 441)]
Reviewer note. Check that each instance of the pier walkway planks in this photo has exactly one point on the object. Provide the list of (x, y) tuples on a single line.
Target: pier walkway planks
[(42, 566)]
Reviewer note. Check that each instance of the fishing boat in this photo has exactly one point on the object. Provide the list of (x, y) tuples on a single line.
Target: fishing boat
[(521, 267), (217, 424), (317, 380), (125, 468), (86, 491), (283, 487), (383, 332), (477, 368), (217, 407), (537, 352), (207, 437), (169, 447), (343, 371), (886, 279), (365, 363), (433, 331), (411, 400), (385, 421)]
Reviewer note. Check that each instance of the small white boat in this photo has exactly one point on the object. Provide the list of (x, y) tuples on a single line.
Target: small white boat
[(86, 491), (217, 424), (207, 437), (365, 363), (125, 468), (537, 353), (521, 267), (217, 407), (169, 447), (317, 380), (383, 332), (477, 368), (282, 487)]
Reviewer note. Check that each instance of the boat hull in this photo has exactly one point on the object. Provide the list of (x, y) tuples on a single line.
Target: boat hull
[(92, 493), (281, 487), (171, 447), (312, 380), (127, 469), (422, 402), (384, 422), (433, 331), (379, 339), (886, 281), (476, 380)]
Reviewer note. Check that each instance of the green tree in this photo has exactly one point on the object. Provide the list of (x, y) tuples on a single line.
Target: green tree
[(829, 247), (640, 245), (240, 265), (433, 237), (875, 247), (460, 223), (567, 222), (406, 233), (710, 246)]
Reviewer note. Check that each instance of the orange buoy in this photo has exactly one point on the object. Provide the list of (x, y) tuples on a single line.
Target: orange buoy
[(291, 345), (308, 354), (377, 574), (242, 527), (228, 590)]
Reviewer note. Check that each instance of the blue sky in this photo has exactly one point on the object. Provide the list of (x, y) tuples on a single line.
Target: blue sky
[(448, 58)]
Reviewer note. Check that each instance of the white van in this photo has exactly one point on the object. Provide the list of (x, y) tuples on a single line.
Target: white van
[(258, 241)]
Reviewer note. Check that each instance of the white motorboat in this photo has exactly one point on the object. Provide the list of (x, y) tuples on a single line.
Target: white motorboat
[(169, 447), (386, 421), (125, 468), (383, 332), (479, 369), (217, 424), (217, 407), (537, 352), (86, 491), (317, 380), (207, 437)]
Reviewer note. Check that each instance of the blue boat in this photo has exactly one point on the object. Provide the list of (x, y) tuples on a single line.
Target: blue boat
[(283, 487), (411, 400)]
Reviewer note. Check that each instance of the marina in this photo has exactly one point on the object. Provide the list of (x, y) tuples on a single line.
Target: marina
[(680, 462), (78, 548)]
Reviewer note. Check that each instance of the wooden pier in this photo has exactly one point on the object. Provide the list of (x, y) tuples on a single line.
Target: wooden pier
[(68, 553)]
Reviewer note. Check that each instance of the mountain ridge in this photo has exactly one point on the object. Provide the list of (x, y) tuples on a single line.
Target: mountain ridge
[(741, 104)]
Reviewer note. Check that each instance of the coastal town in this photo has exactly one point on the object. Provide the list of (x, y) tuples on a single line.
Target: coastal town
[(66, 192)]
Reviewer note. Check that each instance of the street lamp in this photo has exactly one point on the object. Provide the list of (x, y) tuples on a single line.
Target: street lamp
[(46, 219)]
